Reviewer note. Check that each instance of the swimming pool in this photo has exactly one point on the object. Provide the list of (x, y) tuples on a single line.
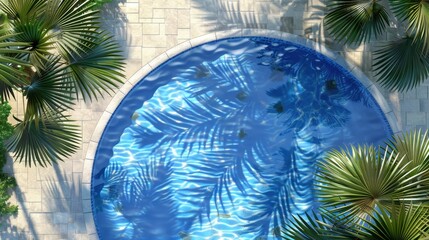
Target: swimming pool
[(220, 141)]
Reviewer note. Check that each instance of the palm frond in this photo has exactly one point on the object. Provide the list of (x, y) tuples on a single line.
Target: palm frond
[(6, 92), (193, 126), (361, 180), (269, 207), (74, 24), (39, 39), (407, 222), (48, 90), (22, 10), (97, 70), (413, 147), (355, 21), (322, 225), (416, 14), (44, 140), (11, 73), (219, 175), (401, 64), (148, 202)]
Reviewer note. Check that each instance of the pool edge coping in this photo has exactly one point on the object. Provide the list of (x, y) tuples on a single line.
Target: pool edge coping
[(170, 53)]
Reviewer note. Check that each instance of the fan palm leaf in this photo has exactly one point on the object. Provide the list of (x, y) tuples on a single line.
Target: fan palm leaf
[(48, 91), (19, 10), (413, 147), (39, 39), (319, 226), (64, 55), (355, 21), (361, 180), (74, 24), (407, 222), (401, 64), (10, 74), (416, 13), (97, 70), (44, 141)]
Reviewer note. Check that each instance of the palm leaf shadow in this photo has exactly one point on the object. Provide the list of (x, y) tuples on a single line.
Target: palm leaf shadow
[(270, 206), (113, 176), (147, 202), (219, 112)]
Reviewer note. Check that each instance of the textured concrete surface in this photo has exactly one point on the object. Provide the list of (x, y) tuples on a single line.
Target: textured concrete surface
[(53, 201)]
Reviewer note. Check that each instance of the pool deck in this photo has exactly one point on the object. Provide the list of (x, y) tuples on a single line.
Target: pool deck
[(54, 201)]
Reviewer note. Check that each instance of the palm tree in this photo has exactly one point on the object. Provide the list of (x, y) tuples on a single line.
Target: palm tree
[(375, 193), (55, 53), (400, 64)]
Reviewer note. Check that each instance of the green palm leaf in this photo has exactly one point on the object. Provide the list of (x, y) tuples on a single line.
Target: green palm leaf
[(10, 72), (74, 23), (44, 141), (414, 148), (66, 56), (22, 10), (39, 39), (407, 222), (416, 13), (49, 91), (319, 226), (355, 21), (401, 65), (97, 70), (363, 179)]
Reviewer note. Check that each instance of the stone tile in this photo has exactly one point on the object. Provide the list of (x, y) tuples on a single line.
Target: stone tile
[(134, 64), (171, 21), (183, 18), (133, 18), (410, 105), (424, 105), (151, 28), (61, 218), (158, 20), (133, 53), (146, 9), (286, 24), (132, 7), (415, 118), (159, 13), (154, 41), (182, 4), (79, 223), (87, 130), (422, 92), (34, 206), (33, 195), (410, 94), (77, 166), (135, 31)]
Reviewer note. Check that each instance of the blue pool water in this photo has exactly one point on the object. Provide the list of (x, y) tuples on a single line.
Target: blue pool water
[(221, 141)]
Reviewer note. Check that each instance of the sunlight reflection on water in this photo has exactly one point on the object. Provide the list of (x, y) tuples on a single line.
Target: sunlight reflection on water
[(222, 140)]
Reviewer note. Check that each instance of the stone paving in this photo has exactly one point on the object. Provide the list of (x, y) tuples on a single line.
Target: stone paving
[(52, 200)]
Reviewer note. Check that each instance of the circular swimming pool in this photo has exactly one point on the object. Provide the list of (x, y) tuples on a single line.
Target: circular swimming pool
[(221, 141)]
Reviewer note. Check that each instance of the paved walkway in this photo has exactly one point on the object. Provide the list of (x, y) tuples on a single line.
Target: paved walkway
[(50, 199)]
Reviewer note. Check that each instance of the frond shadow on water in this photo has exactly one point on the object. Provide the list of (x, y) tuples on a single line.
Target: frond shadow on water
[(147, 203), (270, 205), (231, 113), (234, 140)]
